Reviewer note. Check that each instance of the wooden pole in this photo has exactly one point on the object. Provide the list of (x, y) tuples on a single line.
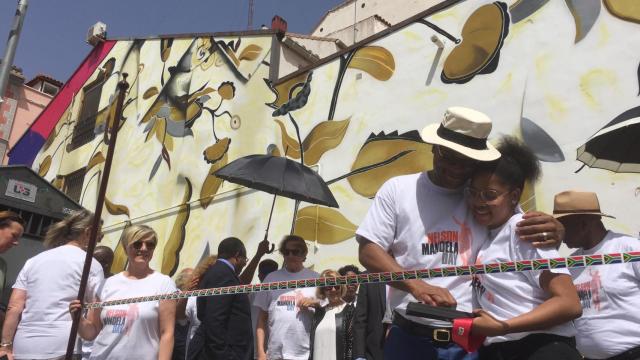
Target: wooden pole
[(122, 92)]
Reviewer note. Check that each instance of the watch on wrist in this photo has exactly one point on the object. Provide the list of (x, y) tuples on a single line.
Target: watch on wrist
[(6, 343)]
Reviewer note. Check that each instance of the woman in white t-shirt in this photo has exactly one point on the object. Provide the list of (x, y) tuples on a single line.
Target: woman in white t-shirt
[(332, 331), (37, 323), (527, 315), (134, 331)]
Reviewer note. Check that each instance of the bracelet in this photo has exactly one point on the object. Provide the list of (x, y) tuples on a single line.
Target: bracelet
[(6, 344)]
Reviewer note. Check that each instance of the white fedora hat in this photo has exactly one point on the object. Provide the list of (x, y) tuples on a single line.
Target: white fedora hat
[(465, 131)]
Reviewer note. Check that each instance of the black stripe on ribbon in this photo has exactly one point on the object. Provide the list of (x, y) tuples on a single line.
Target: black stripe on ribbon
[(462, 139)]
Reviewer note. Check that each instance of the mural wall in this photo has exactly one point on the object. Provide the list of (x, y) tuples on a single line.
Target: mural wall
[(551, 72)]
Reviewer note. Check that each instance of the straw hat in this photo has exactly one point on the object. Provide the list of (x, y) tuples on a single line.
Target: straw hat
[(576, 203), (465, 131)]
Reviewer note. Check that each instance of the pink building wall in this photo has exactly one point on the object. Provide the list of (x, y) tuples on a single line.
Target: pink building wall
[(21, 106)]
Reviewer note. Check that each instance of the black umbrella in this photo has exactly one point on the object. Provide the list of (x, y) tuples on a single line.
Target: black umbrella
[(279, 176), (615, 147)]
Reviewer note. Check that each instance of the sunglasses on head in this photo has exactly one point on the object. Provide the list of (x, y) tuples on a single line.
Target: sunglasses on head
[(293, 252), (484, 195), (149, 244)]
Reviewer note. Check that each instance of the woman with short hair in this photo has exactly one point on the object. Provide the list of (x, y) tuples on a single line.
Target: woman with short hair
[(133, 331), (37, 323)]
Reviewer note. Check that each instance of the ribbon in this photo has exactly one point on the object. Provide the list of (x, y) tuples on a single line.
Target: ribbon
[(385, 277)]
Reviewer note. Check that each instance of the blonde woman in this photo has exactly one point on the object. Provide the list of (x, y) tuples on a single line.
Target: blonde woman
[(37, 323), (134, 331), (331, 334)]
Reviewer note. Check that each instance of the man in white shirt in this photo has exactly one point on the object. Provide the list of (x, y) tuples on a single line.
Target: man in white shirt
[(285, 314), (424, 221), (610, 295)]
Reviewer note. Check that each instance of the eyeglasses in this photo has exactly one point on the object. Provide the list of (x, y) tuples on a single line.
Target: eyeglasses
[(331, 287), (292, 252), (486, 195), (453, 157), (149, 244)]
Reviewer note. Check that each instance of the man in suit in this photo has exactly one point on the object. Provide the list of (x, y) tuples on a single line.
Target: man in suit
[(225, 329), (368, 329)]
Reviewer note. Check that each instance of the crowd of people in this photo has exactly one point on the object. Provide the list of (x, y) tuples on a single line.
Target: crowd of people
[(464, 211)]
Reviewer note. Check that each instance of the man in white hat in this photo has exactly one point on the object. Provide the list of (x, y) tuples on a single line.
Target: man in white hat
[(610, 295), (424, 221)]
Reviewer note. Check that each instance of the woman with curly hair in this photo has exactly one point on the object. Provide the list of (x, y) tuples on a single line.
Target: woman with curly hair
[(527, 315)]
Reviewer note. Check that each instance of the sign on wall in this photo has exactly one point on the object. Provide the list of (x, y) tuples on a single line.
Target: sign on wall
[(21, 190)]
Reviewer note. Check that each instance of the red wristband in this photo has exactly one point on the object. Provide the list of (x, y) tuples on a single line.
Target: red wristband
[(461, 334)]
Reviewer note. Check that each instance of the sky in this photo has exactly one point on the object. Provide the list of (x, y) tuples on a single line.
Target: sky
[(54, 31)]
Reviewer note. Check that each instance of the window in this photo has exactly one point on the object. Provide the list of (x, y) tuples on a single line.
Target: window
[(36, 225), (83, 132), (50, 89), (73, 184)]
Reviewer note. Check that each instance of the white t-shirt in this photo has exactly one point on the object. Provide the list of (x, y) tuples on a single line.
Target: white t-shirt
[(425, 226), (51, 280), (289, 327), (507, 295), (191, 312), (324, 341), (610, 296), (131, 331)]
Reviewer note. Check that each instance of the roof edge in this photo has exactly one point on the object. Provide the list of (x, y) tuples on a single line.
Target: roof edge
[(408, 21)]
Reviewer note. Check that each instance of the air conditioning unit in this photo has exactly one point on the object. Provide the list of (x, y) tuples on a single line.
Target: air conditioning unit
[(97, 33)]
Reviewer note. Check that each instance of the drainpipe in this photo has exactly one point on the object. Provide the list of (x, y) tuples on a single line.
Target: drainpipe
[(12, 44)]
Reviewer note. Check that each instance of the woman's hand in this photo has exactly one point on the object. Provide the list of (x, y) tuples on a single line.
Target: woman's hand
[(308, 303), (485, 324), (6, 351), (75, 305)]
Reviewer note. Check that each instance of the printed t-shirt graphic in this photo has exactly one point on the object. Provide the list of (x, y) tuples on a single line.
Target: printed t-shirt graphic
[(289, 327), (424, 226), (610, 297)]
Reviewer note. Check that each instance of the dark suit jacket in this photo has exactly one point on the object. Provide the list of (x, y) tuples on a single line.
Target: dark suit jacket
[(368, 330), (225, 331)]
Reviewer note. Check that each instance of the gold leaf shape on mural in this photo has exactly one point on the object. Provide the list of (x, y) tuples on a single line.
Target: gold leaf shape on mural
[(290, 145), (628, 10), (385, 156), (325, 225), (585, 13), (120, 255), (483, 35), (212, 183), (116, 209), (58, 182), (227, 90), (200, 93), (43, 169), (522, 9), (171, 251), (216, 151), (96, 159), (374, 60), (152, 91), (322, 138), (286, 90), (251, 52), (528, 197), (165, 48)]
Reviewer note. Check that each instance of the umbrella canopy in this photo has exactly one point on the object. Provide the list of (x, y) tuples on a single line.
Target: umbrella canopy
[(279, 176), (615, 147)]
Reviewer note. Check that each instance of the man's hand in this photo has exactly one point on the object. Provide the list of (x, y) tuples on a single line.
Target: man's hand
[(485, 324), (542, 230), (264, 248), (431, 295)]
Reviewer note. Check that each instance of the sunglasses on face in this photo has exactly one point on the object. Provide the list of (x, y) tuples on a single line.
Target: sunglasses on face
[(486, 195), (331, 287), (292, 252), (150, 245), (453, 157)]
